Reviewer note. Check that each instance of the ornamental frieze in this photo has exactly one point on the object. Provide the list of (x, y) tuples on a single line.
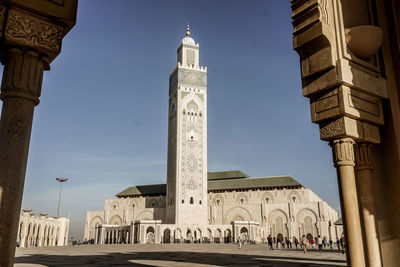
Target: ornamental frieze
[(32, 31)]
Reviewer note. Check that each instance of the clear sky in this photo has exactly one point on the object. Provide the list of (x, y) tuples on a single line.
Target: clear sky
[(102, 120)]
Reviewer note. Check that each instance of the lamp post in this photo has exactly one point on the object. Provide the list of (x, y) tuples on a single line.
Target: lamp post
[(61, 180)]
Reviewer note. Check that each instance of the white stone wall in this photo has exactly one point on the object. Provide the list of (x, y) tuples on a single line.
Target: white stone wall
[(289, 212), (42, 231)]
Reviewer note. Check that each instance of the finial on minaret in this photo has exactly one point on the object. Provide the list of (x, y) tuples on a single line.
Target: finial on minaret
[(188, 30)]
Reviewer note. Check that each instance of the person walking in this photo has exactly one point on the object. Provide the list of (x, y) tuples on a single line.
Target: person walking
[(269, 238), (296, 242), (330, 242), (319, 243), (240, 243), (304, 242), (290, 243), (338, 244)]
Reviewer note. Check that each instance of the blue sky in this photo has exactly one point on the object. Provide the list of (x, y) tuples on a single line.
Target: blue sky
[(102, 120)]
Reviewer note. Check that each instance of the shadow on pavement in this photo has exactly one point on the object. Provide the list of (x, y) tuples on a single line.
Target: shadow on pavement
[(171, 259)]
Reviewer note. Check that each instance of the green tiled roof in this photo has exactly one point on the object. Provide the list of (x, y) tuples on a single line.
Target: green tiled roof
[(144, 190), (263, 182), (230, 180), (338, 222), (226, 175)]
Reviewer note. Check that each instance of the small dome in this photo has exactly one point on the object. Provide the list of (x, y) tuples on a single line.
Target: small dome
[(188, 40)]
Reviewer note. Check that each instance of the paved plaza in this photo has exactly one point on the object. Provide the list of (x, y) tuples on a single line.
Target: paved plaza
[(173, 255)]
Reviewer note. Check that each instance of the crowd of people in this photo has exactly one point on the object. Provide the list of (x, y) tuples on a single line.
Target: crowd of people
[(303, 243)]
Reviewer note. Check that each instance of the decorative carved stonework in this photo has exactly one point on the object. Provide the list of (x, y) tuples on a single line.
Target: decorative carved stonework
[(23, 74), (333, 129), (349, 127), (31, 31), (337, 84), (363, 156), (192, 77), (343, 152)]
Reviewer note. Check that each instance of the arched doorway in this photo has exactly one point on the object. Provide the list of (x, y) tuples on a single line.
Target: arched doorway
[(189, 236), (209, 236), (150, 238), (309, 238), (228, 236), (217, 236), (167, 236), (177, 236), (279, 237), (244, 233), (197, 236)]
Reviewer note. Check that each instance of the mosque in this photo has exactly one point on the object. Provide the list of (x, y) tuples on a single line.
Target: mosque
[(197, 206)]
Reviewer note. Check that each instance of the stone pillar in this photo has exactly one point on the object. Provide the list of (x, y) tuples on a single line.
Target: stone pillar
[(343, 157), (20, 91), (363, 156), (103, 235), (96, 234), (31, 35), (132, 235)]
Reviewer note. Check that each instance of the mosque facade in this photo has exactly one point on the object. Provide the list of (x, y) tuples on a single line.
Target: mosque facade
[(200, 206)]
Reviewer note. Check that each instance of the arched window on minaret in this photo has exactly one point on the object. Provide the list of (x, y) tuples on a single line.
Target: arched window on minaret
[(183, 201), (200, 202), (191, 200), (192, 112)]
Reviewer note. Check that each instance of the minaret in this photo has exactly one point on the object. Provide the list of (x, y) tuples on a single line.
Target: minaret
[(187, 138)]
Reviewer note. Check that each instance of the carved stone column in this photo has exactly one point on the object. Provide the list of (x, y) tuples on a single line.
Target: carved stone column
[(31, 34), (20, 91), (363, 156), (343, 158)]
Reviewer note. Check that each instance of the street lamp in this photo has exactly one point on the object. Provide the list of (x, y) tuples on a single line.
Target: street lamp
[(61, 180)]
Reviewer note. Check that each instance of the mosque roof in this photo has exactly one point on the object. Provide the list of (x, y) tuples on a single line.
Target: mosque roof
[(249, 183), (226, 175), (227, 180), (338, 222)]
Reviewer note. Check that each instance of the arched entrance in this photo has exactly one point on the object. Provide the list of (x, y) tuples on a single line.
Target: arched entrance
[(209, 236), (244, 233), (150, 235), (177, 236), (197, 236), (228, 236), (189, 237), (309, 238), (217, 236), (279, 237), (167, 236)]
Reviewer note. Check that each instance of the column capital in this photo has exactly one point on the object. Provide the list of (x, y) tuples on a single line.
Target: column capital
[(363, 156), (23, 74), (37, 26), (343, 152)]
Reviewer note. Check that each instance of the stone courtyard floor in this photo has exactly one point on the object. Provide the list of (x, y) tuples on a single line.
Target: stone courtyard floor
[(173, 255)]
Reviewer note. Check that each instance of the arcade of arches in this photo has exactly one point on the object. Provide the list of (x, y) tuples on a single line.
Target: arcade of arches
[(42, 231), (284, 211)]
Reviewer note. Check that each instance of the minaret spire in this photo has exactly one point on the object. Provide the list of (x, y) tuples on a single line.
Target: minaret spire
[(188, 30)]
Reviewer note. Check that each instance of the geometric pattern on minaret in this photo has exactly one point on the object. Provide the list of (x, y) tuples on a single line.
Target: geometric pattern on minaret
[(187, 138)]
